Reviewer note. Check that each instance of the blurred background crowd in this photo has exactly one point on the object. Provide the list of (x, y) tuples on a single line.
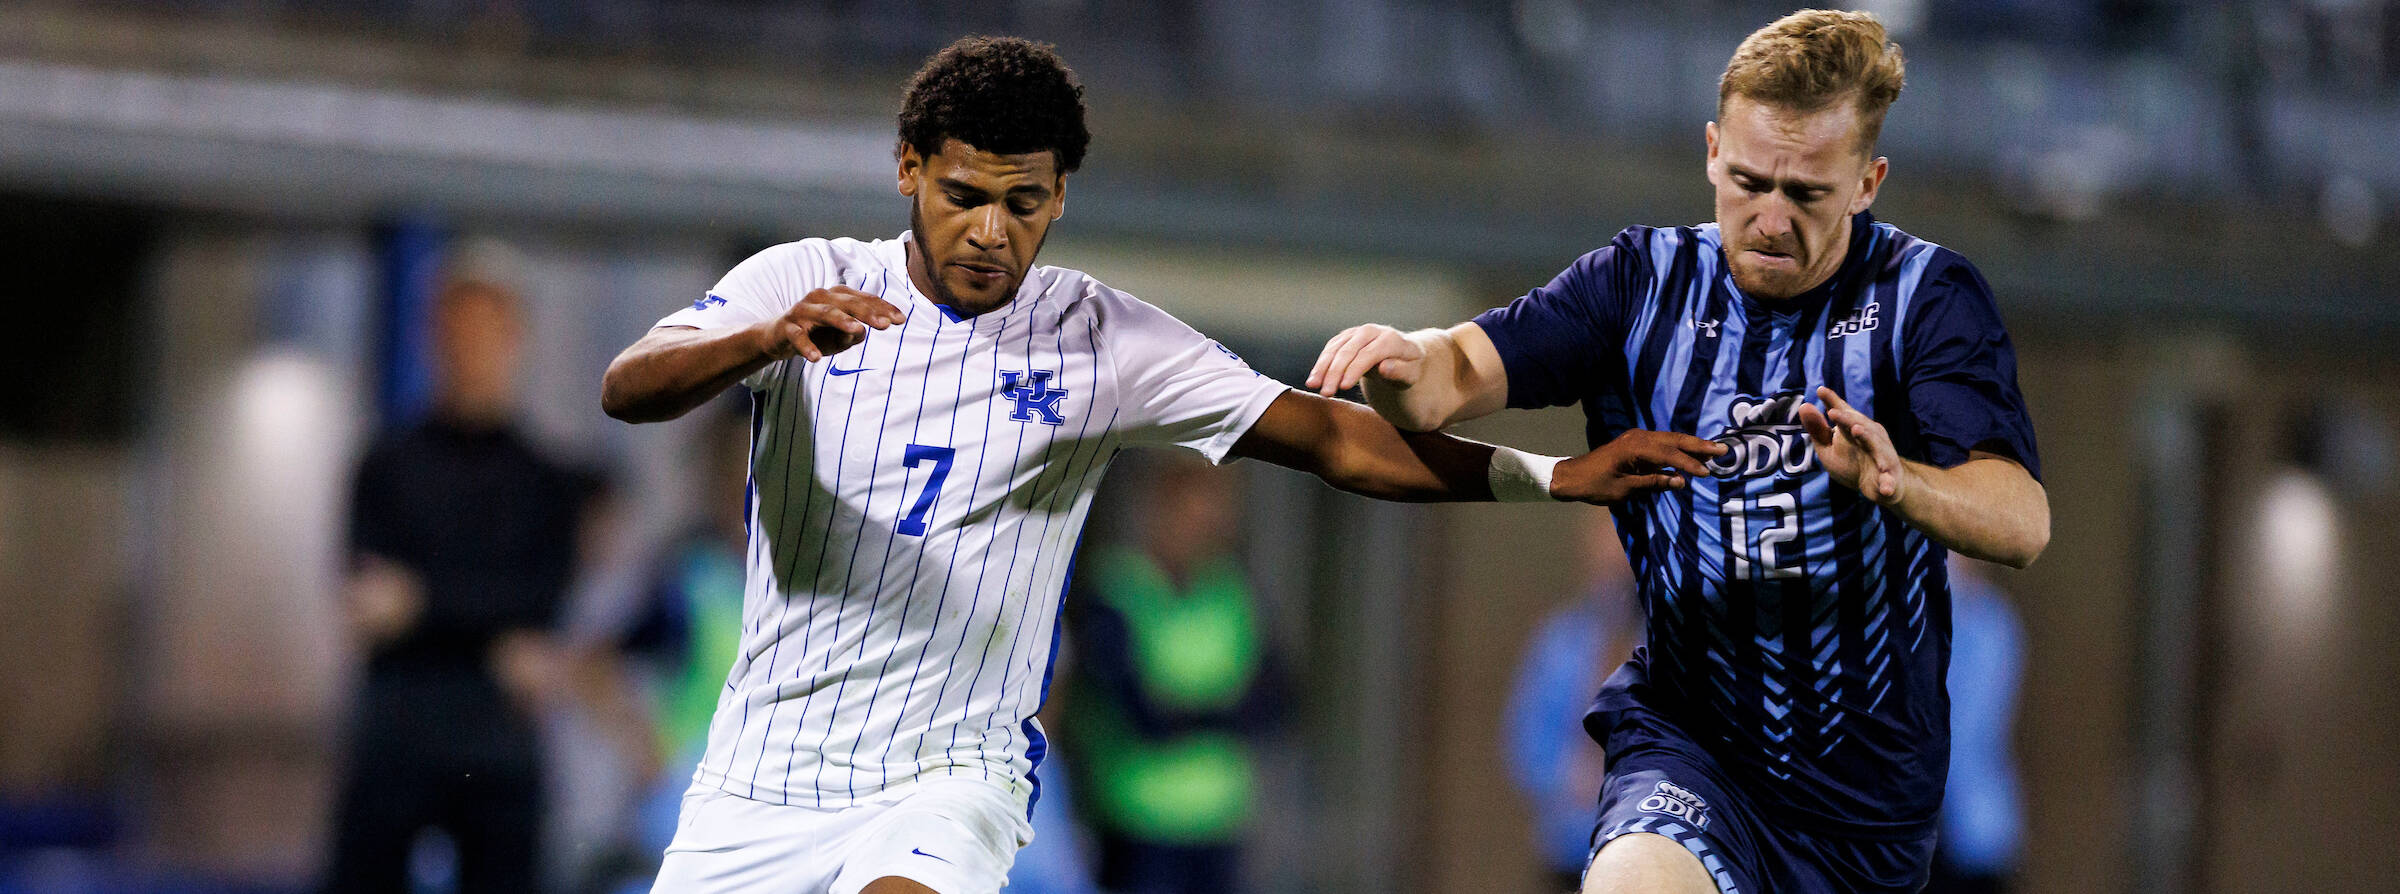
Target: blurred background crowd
[(293, 284)]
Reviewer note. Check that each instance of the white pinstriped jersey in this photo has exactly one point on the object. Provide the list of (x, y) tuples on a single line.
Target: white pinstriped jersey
[(915, 505)]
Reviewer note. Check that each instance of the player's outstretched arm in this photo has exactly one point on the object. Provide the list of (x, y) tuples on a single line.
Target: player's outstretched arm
[(1355, 450), (1426, 380), (1988, 507), (672, 369)]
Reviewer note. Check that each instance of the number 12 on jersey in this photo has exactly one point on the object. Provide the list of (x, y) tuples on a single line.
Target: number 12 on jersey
[(1767, 559), (914, 524)]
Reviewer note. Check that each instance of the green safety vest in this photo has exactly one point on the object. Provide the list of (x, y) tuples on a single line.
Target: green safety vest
[(1197, 649), (711, 577)]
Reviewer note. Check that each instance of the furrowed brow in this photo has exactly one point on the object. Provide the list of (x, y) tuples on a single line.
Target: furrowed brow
[(1747, 174)]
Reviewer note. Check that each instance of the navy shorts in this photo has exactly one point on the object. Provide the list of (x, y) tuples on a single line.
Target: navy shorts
[(1660, 782)]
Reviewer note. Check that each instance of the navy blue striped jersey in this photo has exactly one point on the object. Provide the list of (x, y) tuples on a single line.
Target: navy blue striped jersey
[(1797, 632)]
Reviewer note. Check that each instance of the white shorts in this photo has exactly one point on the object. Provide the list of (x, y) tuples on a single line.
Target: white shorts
[(953, 834)]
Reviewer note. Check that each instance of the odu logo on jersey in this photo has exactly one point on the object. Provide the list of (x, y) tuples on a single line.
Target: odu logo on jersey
[(1041, 398), (1678, 802), (1765, 438)]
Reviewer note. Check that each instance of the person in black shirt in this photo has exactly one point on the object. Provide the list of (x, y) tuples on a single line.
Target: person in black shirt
[(462, 544), (1176, 683)]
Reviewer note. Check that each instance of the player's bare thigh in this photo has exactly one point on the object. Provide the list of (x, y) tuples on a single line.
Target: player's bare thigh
[(1647, 863), (892, 884)]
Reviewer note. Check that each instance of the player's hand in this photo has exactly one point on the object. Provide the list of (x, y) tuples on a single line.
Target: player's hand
[(1854, 449), (827, 322), (531, 668), (385, 600), (1362, 351), (1637, 462)]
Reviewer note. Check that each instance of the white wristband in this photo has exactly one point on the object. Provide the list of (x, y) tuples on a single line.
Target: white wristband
[(1521, 477)]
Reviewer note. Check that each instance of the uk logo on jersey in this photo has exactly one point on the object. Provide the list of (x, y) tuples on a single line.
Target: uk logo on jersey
[(1039, 399), (708, 301)]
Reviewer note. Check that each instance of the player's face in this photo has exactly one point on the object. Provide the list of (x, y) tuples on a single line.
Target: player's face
[(979, 219), (1787, 183), (477, 342)]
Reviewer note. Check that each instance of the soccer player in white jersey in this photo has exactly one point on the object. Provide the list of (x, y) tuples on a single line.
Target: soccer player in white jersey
[(932, 413)]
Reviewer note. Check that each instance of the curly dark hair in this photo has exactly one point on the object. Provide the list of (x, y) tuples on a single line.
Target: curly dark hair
[(1005, 95)]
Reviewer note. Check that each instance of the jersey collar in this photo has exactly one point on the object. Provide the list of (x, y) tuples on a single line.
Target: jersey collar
[(895, 257)]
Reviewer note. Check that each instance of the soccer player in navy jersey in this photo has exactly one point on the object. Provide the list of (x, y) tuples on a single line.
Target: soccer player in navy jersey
[(1785, 726)]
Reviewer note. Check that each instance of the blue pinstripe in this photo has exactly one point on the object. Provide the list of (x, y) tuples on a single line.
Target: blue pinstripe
[(950, 570), (796, 376), (983, 565), (1042, 548), (1037, 746), (811, 591), (850, 568), (891, 540), (1016, 541)]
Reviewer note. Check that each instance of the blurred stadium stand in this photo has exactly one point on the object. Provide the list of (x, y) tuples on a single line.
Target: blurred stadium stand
[(1488, 135)]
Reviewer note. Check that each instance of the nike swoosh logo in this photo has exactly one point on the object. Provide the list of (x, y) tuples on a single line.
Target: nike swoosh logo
[(921, 853), (852, 372)]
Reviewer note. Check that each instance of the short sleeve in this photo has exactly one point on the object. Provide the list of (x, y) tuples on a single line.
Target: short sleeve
[(1177, 386), (1960, 370), (761, 288), (1560, 343)]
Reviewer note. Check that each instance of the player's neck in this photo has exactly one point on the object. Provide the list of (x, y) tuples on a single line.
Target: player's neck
[(471, 415), (1835, 258), (921, 278)]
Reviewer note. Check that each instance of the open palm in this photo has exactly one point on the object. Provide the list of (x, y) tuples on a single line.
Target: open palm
[(1854, 449)]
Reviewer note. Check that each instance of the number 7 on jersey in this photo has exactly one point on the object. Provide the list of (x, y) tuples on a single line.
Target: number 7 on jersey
[(914, 524)]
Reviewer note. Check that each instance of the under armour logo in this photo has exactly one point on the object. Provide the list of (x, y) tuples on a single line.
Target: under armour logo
[(1707, 327), (1041, 398)]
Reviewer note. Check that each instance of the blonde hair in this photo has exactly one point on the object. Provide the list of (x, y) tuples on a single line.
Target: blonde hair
[(1811, 59)]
